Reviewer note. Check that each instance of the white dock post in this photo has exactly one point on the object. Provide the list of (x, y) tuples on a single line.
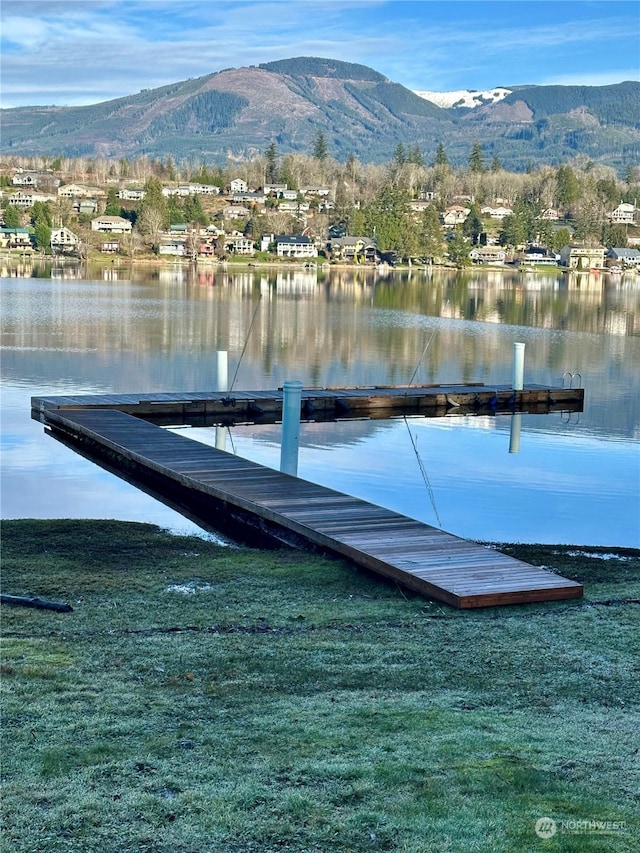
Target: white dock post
[(514, 436), (222, 371), (222, 384), (518, 367), (290, 427)]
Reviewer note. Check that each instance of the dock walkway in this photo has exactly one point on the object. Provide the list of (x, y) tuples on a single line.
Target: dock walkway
[(293, 511)]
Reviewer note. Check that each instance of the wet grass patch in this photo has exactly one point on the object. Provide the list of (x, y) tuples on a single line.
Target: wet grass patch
[(291, 702)]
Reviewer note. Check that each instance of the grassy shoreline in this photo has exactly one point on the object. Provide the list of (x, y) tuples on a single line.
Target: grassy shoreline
[(201, 698)]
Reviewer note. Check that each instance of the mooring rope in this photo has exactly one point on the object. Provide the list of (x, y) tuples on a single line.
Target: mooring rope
[(423, 471), (424, 352), (246, 342)]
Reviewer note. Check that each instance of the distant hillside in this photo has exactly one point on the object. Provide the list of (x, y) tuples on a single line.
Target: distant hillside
[(240, 111)]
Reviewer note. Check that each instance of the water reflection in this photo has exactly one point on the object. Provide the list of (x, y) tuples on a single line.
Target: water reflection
[(119, 329)]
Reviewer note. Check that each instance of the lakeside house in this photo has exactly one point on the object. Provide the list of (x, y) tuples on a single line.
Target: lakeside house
[(577, 257), (488, 256), (295, 246), (16, 238), (352, 248), (64, 241), (111, 224), (627, 258)]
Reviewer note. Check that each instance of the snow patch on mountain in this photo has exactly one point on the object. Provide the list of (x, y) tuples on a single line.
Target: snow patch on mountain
[(465, 97)]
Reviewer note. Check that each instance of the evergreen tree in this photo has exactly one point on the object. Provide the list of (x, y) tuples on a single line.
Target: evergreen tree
[(496, 165), (271, 170), (41, 212), (431, 240), (320, 150), (286, 174), (193, 211), (400, 155), (170, 170), (174, 210), (113, 205), (386, 220), (614, 235), (42, 233), (476, 158), (154, 201), (414, 155), (473, 226), (568, 188), (11, 216), (441, 156), (560, 238), (458, 250), (512, 232)]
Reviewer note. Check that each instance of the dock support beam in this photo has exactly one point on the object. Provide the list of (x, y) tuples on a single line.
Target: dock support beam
[(222, 384), (290, 427), (222, 371), (518, 367)]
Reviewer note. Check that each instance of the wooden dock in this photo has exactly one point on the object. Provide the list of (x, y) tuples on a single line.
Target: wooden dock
[(322, 404), (213, 485)]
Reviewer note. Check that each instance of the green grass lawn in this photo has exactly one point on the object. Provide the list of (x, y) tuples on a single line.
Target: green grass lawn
[(203, 699)]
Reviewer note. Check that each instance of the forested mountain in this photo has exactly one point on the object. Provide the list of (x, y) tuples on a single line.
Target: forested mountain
[(240, 111)]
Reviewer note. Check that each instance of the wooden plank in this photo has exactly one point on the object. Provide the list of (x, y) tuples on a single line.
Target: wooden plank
[(424, 558)]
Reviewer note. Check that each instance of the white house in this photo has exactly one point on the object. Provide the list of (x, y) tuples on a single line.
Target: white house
[(64, 240), (111, 224), (25, 179), (274, 189), (185, 190), (237, 244), (623, 214), (455, 215), (295, 246), (131, 194), (488, 255), (496, 212), (28, 199), (321, 192), (237, 185), (173, 246)]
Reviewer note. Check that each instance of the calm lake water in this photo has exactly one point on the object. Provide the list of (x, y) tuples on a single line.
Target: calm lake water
[(575, 479)]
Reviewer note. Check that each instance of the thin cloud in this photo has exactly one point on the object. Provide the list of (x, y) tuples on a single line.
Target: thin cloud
[(81, 51)]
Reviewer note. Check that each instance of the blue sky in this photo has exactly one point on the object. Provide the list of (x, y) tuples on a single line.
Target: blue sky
[(73, 52)]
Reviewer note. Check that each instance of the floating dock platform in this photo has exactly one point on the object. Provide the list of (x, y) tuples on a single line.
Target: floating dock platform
[(221, 490)]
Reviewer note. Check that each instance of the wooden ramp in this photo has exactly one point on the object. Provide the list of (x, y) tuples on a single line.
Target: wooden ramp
[(423, 558)]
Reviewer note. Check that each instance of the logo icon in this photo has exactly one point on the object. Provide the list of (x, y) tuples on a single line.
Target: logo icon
[(546, 827)]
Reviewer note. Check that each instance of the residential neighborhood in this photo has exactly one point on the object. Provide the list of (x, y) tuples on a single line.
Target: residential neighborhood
[(204, 222)]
